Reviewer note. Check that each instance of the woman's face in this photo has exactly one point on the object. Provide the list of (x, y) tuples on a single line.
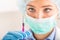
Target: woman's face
[(41, 9)]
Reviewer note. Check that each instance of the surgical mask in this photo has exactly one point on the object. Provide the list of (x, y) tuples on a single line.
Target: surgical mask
[(42, 25)]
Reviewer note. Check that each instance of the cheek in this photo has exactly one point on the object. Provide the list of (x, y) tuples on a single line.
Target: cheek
[(53, 12), (46, 15)]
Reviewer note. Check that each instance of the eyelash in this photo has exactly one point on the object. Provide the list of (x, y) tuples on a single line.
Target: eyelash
[(47, 10), (31, 9)]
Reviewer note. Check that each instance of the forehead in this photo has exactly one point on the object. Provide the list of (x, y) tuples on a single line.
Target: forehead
[(40, 3)]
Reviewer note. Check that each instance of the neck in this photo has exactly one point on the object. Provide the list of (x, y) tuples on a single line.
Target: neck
[(42, 36)]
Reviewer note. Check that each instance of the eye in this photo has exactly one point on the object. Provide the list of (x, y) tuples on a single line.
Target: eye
[(31, 9), (47, 10)]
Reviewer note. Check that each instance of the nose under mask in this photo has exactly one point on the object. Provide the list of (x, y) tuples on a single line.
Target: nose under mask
[(42, 25)]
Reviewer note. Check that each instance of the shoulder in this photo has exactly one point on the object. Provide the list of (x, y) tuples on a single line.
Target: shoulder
[(57, 33)]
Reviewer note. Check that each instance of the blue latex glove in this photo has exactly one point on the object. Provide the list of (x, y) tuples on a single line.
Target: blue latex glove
[(27, 35)]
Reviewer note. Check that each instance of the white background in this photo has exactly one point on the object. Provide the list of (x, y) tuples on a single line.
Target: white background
[(8, 5)]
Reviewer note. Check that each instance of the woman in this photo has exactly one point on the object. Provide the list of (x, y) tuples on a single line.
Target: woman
[(41, 17)]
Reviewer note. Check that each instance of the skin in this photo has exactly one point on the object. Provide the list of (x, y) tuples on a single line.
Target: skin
[(41, 9)]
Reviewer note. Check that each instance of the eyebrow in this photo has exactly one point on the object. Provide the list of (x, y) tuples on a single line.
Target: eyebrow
[(42, 6), (31, 5), (47, 6)]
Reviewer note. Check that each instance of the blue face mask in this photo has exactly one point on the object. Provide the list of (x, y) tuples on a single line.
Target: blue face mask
[(41, 26)]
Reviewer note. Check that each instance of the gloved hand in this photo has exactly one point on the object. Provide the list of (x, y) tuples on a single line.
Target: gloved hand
[(27, 35)]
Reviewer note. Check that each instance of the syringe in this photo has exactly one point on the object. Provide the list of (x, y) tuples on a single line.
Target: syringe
[(22, 27)]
